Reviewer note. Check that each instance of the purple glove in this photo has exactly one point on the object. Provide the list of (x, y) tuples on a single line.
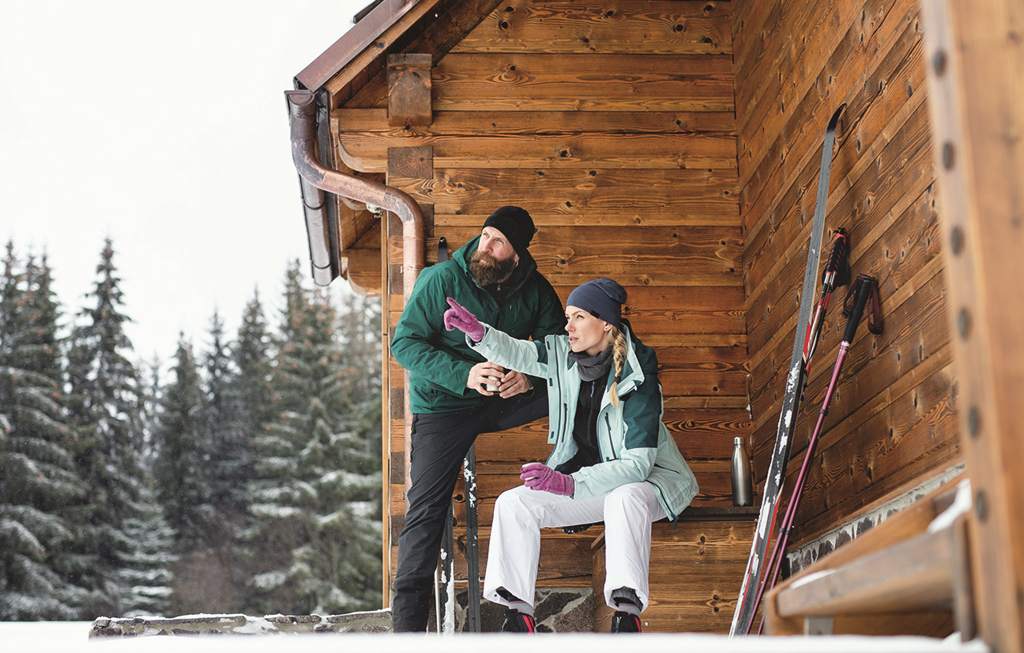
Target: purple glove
[(459, 318), (542, 478)]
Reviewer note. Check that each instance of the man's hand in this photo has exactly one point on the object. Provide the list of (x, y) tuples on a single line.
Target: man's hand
[(509, 383), (480, 377)]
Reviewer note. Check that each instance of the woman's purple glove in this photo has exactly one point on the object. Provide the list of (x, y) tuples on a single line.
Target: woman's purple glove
[(542, 478), (459, 318)]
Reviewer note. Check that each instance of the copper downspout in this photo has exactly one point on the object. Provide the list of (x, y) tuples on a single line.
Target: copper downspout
[(302, 116)]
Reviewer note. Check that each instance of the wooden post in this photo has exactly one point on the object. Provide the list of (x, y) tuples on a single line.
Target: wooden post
[(403, 163), (975, 68)]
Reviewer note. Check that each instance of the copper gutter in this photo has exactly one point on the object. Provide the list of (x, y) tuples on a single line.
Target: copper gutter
[(315, 179)]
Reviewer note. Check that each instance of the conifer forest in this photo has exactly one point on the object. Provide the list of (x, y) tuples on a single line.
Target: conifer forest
[(241, 476)]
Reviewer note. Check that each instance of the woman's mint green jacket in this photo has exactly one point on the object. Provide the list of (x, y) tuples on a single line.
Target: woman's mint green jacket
[(634, 443)]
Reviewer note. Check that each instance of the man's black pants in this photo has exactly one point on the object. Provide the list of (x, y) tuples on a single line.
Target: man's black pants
[(440, 442)]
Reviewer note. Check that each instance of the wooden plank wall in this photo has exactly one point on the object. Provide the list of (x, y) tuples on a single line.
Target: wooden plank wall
[(614, 126), (893, 421), (696, 574)]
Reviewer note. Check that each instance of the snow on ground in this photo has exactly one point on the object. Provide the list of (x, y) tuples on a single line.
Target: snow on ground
[(73, 637)]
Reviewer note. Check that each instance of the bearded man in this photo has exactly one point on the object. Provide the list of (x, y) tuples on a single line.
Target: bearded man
[(493, 276)]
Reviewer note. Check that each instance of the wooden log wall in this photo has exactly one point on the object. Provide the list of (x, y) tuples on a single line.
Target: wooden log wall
[(893, 420), (614, 126), (695, 576)]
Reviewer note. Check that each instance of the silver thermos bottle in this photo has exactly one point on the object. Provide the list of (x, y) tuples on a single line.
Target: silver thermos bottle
[(742, 495)]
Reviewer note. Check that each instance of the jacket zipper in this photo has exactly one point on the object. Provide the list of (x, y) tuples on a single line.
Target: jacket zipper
[(608, 435)]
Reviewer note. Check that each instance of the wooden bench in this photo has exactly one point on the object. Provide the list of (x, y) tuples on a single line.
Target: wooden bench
[(695, 572), (900, 577)]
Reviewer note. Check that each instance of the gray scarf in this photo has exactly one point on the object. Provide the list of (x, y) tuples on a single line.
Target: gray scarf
[(593, 367)]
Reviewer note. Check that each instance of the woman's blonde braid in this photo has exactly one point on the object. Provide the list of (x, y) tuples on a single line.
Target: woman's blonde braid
[(619, 356)]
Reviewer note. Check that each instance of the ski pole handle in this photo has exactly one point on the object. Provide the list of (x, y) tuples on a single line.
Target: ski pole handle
[(837, 266), (861, 292)]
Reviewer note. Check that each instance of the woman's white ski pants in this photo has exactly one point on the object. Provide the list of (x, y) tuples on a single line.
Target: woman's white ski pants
[(520, 513)]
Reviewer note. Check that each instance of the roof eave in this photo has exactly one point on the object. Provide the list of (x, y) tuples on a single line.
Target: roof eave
[(352, 43)]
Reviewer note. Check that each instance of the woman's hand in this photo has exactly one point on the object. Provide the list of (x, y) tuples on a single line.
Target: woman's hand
[(542, 478), (459, 318)]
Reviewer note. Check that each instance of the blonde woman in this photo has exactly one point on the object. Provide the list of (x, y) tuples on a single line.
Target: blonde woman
[(613, 459)]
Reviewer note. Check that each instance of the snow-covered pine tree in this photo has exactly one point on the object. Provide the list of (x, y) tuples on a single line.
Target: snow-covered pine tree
[(318, 529), (340, 567), (221, 432), (149, 414), (104, 398), (250, 398), (182, 465), (274, 531), (359, 339), (146, 571), (359, 334), (37, 477)]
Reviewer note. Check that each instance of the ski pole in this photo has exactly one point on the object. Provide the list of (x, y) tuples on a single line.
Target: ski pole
[(863, 289)]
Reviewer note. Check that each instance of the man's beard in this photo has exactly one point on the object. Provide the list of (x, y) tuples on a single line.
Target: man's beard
[(488, 270)]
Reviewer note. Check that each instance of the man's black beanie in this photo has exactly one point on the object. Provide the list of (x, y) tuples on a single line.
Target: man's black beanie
[(515, 224)]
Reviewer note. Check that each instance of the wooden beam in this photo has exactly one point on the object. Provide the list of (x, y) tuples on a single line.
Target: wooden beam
[(409, 90), (898, 566), (362, 269), (921, 575), (975, 67), (911, 575)]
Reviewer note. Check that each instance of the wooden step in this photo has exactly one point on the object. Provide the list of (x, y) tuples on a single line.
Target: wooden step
[(900, 567)]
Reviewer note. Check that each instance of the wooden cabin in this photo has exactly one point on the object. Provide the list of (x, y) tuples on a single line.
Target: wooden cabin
[(675, 145)]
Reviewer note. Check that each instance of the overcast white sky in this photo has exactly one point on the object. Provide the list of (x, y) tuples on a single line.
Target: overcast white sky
[(163, 126)]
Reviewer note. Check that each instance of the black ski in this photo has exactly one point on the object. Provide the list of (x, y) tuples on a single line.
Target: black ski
[(746, 606)]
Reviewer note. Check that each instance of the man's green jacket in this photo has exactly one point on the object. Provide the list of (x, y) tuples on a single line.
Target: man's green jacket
[(439, 360)]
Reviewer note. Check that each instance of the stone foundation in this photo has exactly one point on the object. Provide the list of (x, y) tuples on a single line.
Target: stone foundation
[(555, 611), (239, 624)]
